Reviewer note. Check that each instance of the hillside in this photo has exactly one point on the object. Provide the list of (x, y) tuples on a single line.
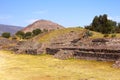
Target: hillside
[(9, 28), (43, 25), (38, 44), (66, 34)]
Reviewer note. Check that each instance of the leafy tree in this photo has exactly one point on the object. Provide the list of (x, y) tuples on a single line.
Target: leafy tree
[(6, 35), (118, 28), (20, 34), (119, 25), (36, 32), (95, 23), (28, 35), (102, 24)]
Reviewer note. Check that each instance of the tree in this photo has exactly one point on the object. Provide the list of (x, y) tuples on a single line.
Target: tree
[(102, 24), (20, 34), (95, 23), (28, 35), (6, 35), (36, 32), (119, 25), (118, 28)]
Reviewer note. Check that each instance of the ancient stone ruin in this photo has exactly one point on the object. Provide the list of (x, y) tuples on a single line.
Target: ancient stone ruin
[(70, 45), (102, 49), (28, 47)]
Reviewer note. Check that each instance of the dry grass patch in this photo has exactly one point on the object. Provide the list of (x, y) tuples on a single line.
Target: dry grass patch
[(45, 67), (55, 33)]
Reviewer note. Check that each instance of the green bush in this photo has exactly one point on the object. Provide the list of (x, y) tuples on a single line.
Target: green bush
[(89, 33), (36, 32), (20, 34), (106, 35), (14, 38), (28, 35), (6, 35), (113, 35)]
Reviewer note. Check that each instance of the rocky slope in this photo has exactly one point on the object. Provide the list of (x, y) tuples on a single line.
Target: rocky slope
[(43, 25), (9, 28)]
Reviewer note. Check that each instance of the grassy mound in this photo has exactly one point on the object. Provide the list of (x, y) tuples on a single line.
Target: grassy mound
[(53, 34)]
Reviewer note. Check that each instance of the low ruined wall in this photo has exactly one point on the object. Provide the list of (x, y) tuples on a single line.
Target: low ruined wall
[(96, 54), (52, 51)]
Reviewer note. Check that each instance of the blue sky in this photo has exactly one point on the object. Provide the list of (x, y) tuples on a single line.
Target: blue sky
[(65, 12)]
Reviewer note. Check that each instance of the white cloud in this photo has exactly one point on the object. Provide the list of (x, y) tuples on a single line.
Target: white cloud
[(115, 18), (5, 17), (31, 21), (40, 12)]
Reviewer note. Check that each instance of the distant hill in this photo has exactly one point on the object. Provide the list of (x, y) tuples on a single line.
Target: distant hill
[(43, 25), (9, 28)]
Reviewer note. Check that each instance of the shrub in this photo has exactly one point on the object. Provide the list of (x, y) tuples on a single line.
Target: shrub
[(28, 35), (20, 34), (14, 38), (113, 35), (106, 35), (89, 33), (6, 35), (36, 32)]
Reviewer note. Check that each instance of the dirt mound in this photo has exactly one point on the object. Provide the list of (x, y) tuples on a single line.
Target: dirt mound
[(43, 25)]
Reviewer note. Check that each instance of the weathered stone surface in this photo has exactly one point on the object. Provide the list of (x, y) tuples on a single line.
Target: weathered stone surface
[(100, 40), (7, 44), (96, 54), (116, 64), (52, 51), (28, 47), (64, 54), (97, 49), (31, 51)]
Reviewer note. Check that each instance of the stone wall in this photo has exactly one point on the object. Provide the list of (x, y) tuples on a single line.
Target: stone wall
[(96, 54)]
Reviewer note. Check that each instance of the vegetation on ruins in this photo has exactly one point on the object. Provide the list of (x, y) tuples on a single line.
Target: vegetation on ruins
[(88, 33), (6, 34), (106, 35), (28, 35), (20, 34), (104, 25), (113, 35), (36, 32)]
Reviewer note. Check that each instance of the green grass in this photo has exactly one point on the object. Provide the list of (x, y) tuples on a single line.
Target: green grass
[(45, 67)]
